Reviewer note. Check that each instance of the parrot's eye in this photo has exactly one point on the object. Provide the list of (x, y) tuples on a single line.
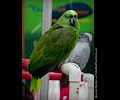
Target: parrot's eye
[(66, 16), (71, 16)]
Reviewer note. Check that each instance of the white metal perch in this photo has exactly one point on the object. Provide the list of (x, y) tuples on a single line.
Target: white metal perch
[(74, 72)]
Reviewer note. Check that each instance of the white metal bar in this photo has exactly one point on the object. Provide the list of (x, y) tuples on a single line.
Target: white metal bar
[(47, 15), (90, 79), (83, 91), (46, 24), (74, 91), (90, 93)]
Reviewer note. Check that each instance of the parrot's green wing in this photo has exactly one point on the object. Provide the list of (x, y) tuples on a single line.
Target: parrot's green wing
[(52, 48)]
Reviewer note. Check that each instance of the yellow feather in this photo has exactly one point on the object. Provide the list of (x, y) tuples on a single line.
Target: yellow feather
[(72, 13)]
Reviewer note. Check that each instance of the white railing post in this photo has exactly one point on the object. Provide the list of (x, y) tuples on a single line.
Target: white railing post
[(90, 79), (46, 24), (74, 72)]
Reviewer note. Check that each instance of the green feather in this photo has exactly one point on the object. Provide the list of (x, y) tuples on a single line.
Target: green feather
[(35, 84), (38, 85)]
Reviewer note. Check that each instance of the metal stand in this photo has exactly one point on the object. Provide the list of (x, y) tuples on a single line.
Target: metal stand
[(46, 24), (74, 72)]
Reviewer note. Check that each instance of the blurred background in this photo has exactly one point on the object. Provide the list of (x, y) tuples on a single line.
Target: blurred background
[(32, 11)]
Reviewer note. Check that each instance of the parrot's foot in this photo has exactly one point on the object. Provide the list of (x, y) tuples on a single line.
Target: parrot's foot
[(66, 82)]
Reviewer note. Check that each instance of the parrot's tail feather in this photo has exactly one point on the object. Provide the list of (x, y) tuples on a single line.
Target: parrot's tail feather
[(38, 83), (35, 84), (32, 84)]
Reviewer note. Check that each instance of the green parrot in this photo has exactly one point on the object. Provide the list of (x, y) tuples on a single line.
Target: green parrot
[(54, 47)]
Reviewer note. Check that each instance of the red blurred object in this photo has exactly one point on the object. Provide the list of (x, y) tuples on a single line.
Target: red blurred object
[(25, 63), (55, 76), (25, 74)]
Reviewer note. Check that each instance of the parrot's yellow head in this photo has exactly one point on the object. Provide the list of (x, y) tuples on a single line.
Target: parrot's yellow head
[(69, 19)]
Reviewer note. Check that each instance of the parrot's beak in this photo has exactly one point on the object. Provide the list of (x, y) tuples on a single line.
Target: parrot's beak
[(73, 21)]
